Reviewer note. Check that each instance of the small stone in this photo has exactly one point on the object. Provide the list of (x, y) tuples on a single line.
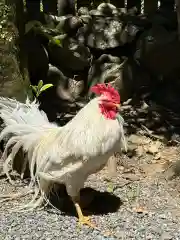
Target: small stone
[(134, 139), (154, 148), (140, 151), (132, 177), (156, 230), (122, 182), (100, 238), (166, 236), (157, 156), (162, 216), (120, 234)]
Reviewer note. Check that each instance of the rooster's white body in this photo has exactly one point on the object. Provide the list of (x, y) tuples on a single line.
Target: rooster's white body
[(67, 154)]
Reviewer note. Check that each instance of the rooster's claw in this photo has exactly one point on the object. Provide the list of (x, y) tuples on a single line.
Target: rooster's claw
[(84, 220)]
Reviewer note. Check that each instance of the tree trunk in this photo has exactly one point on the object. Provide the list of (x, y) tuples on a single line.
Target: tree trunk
[(14, 80)]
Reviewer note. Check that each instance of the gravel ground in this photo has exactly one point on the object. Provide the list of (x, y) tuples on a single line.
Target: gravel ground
[(140, 207), (159, 221)]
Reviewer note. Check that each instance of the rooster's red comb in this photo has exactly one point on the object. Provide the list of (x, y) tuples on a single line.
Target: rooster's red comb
[(103, 89)]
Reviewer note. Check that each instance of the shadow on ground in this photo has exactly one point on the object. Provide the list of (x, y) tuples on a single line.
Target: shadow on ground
[(92, 202)]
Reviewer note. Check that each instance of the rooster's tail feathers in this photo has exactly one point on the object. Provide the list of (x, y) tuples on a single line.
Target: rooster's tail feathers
[(13, 112), (25, 127)]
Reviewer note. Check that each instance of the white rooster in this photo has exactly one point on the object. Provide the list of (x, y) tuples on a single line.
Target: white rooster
[(67, 154)]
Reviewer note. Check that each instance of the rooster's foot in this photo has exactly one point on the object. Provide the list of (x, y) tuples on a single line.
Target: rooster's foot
[(84, 220)]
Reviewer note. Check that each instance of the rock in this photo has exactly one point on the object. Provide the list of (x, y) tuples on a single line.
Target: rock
[(105, 68), (84, 15), (105, 29), (37, 57), (102, 33), (66, 7), (157, 156), (122, 182), (156, 230), (131, 150), (140, 151), (138, 140), (83, 11), (61, 82), (69, 24), (106, 8), (175, 168), (159, 51), (111, 69), (58, 98), (108, 27), (120, 234), (166, 236), (72, 56), (154, 147), (134, 139), (62, 97)]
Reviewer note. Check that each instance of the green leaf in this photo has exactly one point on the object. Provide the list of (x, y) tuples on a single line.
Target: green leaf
[(34, 88), (46, 86), (56, 41), (110, 188), (37, 94), (41, 6), (40, 84)]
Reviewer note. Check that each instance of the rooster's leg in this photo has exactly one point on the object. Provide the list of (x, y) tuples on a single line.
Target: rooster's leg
[(83, 220)]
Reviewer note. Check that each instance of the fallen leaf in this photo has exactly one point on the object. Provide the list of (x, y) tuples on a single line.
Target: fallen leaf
[(154, 147), (140, 210)]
